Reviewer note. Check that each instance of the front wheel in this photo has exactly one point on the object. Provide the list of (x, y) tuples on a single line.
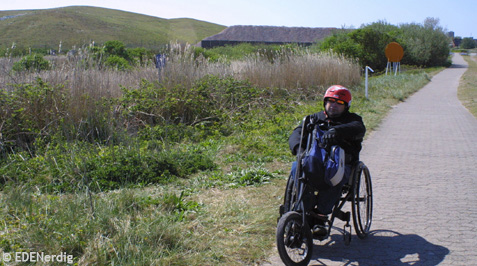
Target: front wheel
[(362, 202), (294, 240)]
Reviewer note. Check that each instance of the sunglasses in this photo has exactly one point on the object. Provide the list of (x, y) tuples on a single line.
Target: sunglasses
[(333, 100)]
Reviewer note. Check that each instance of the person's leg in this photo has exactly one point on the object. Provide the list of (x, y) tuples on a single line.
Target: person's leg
[(293, 169), (327, 198), (309, 199)]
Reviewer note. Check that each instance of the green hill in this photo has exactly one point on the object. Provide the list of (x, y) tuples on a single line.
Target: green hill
[(80, 25)]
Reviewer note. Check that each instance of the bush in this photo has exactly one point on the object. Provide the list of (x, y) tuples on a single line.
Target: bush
[(468, 43), (121, 166), (424, 44), (115, 55), (138, 56), (33, 62), (367, 44), (64, 167), (31, 111), (210, 99), (117, 62), (115, 48)]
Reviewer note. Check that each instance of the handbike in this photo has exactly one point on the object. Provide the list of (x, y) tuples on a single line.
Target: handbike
[(294, 234)]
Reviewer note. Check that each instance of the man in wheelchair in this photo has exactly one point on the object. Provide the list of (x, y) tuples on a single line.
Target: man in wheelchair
[(344, 129)]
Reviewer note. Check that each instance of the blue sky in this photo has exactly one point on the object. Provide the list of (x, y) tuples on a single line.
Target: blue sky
[(457, 15)]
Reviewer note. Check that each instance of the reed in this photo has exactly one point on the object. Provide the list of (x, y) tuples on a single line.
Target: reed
[(291, 69), (88, 103), (294, 70)]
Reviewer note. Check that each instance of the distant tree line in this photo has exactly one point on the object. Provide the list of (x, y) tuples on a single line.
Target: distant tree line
[(424, 44), (467, 43)]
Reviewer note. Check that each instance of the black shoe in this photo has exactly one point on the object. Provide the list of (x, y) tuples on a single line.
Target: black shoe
[(319, 230)]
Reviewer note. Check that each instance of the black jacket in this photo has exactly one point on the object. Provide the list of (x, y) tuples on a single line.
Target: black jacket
[(350, 131)]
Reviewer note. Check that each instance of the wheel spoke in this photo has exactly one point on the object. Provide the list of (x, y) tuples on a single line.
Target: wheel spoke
[(294, 239), (362, 202)]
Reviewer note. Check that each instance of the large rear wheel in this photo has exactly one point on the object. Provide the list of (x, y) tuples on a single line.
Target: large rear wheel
[(291, 193), (362, 201), (294, 240)]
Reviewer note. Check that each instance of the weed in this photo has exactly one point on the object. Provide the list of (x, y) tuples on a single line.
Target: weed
[(250, 176), (34, 62), (467, 93), (179, 206)]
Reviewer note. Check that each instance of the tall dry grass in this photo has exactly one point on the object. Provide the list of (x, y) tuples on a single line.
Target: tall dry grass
[(287, 69), (299, 70), (79, 74), (83, 74), (86, 82)]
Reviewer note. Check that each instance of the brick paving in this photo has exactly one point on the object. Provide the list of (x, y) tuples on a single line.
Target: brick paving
[(423, 162)]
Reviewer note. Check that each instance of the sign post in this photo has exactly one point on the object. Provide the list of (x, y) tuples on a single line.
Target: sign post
[(394, 52), (160, 61), (366, 80)]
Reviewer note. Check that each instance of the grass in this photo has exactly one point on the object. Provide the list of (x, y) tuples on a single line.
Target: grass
[(305, 70), (78, 25), (467, 92), (291, 70), (142, 227), (387, 91), (223, 215)]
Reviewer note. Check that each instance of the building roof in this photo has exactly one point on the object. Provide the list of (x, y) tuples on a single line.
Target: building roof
[(271, 34)]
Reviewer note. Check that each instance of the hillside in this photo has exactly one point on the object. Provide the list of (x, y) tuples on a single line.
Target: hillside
[(79, 25)]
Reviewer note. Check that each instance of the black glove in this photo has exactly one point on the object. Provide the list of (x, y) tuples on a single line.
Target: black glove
[(329, 137), (299, 151), (309, 127)]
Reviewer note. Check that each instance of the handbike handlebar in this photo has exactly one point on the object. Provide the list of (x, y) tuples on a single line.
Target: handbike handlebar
[(308, 127)]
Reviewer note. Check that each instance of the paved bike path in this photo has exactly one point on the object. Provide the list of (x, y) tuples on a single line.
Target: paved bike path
[(423, 162)]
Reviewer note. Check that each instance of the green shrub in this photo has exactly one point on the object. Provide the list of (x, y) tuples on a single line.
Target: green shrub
[(468, 43), (138, 56), (120, 166), (210, 99), (31, 111), (68, 167), (115, 55), (34, 62), (115, 48), (424, 44), (367, 44), (117, 62)]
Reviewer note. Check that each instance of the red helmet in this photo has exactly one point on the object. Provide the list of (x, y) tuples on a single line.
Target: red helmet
[(338, 92)]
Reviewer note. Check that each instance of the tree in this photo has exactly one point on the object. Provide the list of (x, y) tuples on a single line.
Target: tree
[(425, 44), (468, 43), (372, 44), (341, 43), (366, 44)]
